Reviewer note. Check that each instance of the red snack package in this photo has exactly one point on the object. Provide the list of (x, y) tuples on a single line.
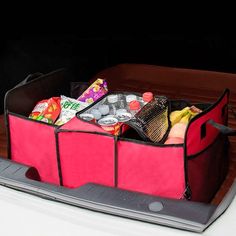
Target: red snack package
[(47, 110)]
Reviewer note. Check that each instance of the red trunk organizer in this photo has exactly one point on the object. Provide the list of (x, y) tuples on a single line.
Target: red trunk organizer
[(80, 152)]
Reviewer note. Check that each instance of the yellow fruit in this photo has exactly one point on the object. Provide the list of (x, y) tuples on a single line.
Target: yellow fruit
[(185, 119), (178, 131), (176, 116)]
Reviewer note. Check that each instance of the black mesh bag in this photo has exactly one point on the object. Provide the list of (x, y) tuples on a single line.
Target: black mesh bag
[(152, 122)]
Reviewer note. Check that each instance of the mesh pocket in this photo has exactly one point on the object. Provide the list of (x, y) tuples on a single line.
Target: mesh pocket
[(152, 122)]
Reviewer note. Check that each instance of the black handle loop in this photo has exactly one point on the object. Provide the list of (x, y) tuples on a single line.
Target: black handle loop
[(222, 128), (29, 78)]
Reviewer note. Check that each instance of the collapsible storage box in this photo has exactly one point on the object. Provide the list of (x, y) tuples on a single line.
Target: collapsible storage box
[(80, 152)]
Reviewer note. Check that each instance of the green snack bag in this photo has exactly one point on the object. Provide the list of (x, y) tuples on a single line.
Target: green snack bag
[(69, 107)]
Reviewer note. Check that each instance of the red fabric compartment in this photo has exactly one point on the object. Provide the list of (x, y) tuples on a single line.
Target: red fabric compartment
[(33, 144), (194, 142), (86, 157), (207, 170), (156, 170)]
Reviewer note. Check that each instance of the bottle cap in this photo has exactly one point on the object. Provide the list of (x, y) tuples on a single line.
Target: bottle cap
[(112, 98), (104, 109), (130, 98), (134, 105), (147, 97)]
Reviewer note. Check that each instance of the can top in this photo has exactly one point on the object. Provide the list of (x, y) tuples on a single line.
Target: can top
[(104, 109), (107, 121), (97, 114), (124, 116), (112, 98), (86, 116)]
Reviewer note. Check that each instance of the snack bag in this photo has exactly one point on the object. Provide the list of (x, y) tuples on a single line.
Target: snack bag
[(47, 110), (69, 107), (94, 91)]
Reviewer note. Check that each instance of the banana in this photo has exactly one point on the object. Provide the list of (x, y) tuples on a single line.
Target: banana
[(185, 119), (176, 116), (193, 113)]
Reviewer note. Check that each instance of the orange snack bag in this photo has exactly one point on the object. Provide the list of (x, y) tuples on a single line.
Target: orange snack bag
[(47, 110)]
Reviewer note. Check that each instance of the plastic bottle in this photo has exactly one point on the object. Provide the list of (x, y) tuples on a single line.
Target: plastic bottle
[(115, 102), (121, 101), (129, 98), (146, 97), (134, 107), (112, 102)]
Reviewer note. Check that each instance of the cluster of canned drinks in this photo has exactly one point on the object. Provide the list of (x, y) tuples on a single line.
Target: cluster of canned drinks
[(116, 108)]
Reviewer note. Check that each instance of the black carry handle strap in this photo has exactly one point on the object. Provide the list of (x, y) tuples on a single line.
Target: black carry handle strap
[(222, 128), (29, 78)]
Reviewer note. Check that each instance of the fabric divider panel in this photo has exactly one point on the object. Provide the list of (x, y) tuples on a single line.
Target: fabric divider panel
[(151, 169), (77, 124), (86, 157), (33, 144), (194, 142)]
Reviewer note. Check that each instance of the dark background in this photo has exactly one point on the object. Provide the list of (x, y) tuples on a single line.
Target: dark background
[(86, 54)]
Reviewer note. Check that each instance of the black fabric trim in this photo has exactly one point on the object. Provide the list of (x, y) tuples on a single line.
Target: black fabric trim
[(226, 91), (115, 162), (223, 110), (29, 78), (187, 193), (149, 143), (84, 131), (58, 157), (32, 120), (7, 125)]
